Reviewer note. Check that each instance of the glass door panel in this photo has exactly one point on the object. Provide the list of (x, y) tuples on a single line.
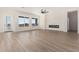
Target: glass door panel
[(7, 24)]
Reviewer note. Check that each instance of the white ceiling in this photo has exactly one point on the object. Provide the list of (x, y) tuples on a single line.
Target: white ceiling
[(37, 10)]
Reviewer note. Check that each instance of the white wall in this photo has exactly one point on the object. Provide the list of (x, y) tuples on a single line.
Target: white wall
[(58, 16), (9, 12), (42, 21)]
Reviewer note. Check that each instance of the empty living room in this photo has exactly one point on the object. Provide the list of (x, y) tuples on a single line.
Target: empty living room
[(39, 29)]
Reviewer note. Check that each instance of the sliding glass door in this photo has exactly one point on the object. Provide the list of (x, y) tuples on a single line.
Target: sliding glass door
[(27, 23), (23, 21)]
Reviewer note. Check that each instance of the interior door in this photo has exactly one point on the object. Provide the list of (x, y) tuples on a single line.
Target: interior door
[(72, 21)]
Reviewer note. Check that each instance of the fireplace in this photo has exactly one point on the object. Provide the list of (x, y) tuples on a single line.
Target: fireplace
[(53, 26)]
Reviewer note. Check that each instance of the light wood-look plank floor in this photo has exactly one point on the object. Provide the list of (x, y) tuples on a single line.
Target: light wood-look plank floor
[(39, 41)]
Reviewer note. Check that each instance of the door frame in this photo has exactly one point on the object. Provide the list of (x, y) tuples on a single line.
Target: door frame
[(68, 20)]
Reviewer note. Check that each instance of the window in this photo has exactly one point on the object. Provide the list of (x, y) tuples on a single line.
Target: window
[(8, 21), (26, 21), (23, 21), (34, 22)]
